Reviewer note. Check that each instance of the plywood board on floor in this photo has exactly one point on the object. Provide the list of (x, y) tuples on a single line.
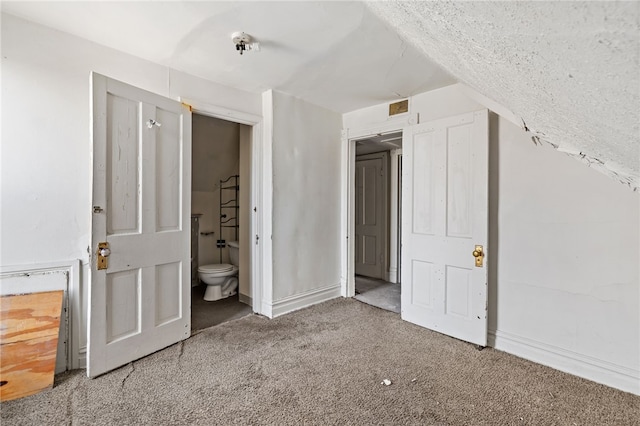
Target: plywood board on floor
[(29, 327)]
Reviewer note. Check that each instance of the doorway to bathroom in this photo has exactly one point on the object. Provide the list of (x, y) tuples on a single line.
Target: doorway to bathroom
[(376, 204), (220, 219)]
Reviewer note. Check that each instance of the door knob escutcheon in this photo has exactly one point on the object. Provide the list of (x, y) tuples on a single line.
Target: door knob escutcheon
[(478, 253), (102, 254)]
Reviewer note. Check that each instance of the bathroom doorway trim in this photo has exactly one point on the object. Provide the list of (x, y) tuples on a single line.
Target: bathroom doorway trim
[(260, 252)]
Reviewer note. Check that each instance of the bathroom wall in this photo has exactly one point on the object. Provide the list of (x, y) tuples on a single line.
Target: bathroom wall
[(216, 156), (244, 275)]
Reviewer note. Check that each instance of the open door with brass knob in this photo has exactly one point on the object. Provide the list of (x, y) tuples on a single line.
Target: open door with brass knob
[(140, 277), (444, 221)]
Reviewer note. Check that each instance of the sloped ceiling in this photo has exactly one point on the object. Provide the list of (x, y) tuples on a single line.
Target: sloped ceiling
[(570, 69)]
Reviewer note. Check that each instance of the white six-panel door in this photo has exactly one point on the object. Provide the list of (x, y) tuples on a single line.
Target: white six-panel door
[(444, 216), (141, 196), (370, 210)]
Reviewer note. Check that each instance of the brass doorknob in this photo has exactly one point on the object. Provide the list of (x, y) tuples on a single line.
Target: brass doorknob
[(478, 253)]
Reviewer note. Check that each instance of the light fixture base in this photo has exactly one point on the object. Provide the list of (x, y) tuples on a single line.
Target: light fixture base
[(243, 42), (240, 37)]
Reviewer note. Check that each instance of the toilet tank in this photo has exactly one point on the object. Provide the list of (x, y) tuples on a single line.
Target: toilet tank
[(234, 253)]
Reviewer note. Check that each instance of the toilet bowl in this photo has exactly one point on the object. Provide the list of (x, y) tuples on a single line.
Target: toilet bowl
[(221, 278)]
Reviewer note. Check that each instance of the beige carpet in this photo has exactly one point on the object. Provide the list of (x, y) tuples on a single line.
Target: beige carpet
[(323, 365)]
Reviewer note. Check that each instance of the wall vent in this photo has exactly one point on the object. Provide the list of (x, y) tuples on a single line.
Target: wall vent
[(399, 107)]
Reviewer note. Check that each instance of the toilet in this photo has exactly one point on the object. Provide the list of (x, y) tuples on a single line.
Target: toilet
[(221, 278)]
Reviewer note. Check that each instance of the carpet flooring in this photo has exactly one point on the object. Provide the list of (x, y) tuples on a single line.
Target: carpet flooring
[(324, 366), (207, 314), (379, 293)]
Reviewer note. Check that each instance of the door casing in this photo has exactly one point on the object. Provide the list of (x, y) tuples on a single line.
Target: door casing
[(349, 137), (260, 247)]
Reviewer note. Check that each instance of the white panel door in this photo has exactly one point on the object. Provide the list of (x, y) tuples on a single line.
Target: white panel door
[(444, 216), (369, 227), (141, 207)]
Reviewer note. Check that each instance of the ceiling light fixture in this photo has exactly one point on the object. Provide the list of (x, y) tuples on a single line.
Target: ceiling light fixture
[(243, 42)]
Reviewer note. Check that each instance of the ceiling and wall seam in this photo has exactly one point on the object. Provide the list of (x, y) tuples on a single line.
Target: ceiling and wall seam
[(570, 69)]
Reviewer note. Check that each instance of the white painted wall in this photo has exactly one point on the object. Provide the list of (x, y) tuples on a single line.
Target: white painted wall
[(306, 207), (566, 290), (46, 144), (563, 253)]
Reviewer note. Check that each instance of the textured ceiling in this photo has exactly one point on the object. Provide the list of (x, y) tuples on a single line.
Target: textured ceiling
[(338, 55), (570, 69)]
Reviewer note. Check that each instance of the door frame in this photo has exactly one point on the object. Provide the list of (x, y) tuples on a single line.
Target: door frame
[(347, 210), (259, 254)]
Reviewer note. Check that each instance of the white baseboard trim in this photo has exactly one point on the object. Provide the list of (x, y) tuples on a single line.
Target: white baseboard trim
[(580, 365), (392, 275), (299, 301), (82, 357), (247, 300)]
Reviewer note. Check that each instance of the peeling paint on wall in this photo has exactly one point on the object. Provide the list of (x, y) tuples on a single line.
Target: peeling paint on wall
[(613, 171)]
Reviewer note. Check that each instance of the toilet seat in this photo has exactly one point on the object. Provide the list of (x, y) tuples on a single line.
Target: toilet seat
[(216, 268)]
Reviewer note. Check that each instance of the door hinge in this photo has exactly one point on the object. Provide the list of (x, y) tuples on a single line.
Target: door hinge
[(257, 239)]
